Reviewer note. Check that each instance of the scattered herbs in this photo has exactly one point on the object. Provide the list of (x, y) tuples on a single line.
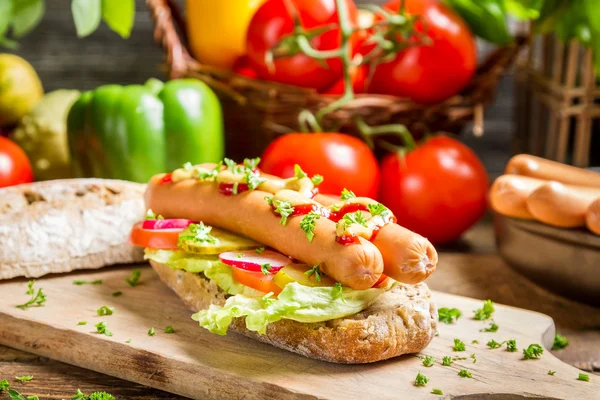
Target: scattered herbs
[(117, 293), (421, 380), (105, 310), (583, 377), (82, 282), (493, 328), (169, 329), (550, 372), (4, 385), (101, 328), (485, 312), (253, 180), (347, 194), (151, 332), (284, 209), (82, 323), (314, 271), (493, 344), (459, 345), (449, 315), (259, 250), (94, 396), (464, 373), (338, 292), (317, 179), (474, 357), (135, 277), (307, 224), (560, 342), (36, 299), (25, 378), (447, 361), (436, 391), (266, 268), (198, 233), (379, 210), (534, 351), (356, 217), (427, 361), (511, 345)]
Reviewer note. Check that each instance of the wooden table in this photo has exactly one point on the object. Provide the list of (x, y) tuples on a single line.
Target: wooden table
[(470, 268)]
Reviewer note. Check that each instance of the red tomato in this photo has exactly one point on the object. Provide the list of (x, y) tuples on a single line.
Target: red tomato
[(154, 238), (275, 19), (358, 75), (429, 73), (242, 66), (256, 280), (15, 167), (343, 160), (439, 190)]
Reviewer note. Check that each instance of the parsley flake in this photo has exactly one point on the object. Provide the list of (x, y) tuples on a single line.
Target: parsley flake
[(493, 344), (30, 289), (267, 300), (266, 268), (379, 210), (4, 385), (534, 351), (447, 361), (251, 163), (135, 277), (284, 209), (150, 215), (151, 332), (474, 341), (307, 224), (560, 342), (128, 341), (36, 299), (231, 165), (437, 391), (316, 271), (583, 377), (485, 312), (199, 233), (239, 255), (94, 396), (463, 373), (317, 179), (421, 380), (347, 194), (25, 378), (80, 282), (474, 357), (356, 217), (105, 310), (511, 345), (169, 329), (15, 395), (101, 328), (448, 315), (269, 200), (253, 180), (298, 173), (493, 328), (428, 361), (459, 345), (259, 250), (82, 323), (117, 293), (550, 372), (338, 292)]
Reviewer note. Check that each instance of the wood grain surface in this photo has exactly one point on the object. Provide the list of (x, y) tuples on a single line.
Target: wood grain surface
[(195, 363)]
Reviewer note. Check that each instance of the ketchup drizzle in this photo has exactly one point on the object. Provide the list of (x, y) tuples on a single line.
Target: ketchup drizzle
[(226, 189), (346, 240), (335, 216), (168, 178)]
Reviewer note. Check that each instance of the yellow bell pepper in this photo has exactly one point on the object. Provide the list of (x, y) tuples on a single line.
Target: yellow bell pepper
[(217, 29)]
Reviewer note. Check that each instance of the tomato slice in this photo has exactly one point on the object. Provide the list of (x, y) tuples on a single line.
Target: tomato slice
[(165, 239), (256, 280)]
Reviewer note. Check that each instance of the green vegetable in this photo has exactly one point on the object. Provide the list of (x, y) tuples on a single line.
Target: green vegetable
[(493, 344), (151, 332), (135, 277), (101, 328), (486, 311), (436, 391), (427, 361), (486, 18), (464, 373), (511, 345), (347, 194), (105, 310), (134, 132), (421, 380), (448, 315), (307, 224), (284, 209), (94, 396), (36, 299), (550, 372), (316, 271), (317, 179), (265, 268), (82, 323), (15, 395), (169, 329), (583, 377), (25, 378), (459, 345), (4, 385), (534, 351), (493, 328), (560, 342)]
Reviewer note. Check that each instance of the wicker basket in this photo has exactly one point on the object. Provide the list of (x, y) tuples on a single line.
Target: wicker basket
[(557, 103), (258, 111)]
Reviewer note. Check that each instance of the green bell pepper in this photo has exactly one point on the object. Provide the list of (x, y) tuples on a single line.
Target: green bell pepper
[(133, 132)]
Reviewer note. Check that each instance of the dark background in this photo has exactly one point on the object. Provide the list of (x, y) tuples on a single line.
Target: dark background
[(64, 61)]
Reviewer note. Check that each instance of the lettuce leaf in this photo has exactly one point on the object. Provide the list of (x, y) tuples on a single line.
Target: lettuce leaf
[(209, 265), (296, 302)]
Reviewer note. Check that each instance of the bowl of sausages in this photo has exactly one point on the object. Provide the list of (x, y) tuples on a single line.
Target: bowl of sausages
[(547, 225)]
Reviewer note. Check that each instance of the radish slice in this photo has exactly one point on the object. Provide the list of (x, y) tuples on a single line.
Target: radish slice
[(251, 261), (177, 223)]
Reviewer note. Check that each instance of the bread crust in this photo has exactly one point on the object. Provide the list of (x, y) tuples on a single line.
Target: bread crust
[(65, 225), (400, 321)]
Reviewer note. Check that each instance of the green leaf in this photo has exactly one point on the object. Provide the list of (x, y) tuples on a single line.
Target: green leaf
[(86, 15), (592, 10), (119, 15), (486, 18), (551, 12), (27, 14), (6, 12), (524, 9)]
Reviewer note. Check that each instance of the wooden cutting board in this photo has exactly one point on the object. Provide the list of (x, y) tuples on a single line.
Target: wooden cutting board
[(194, 363)]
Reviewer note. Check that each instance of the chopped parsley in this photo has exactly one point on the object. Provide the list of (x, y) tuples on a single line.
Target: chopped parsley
[(128, 340), (82, 323), (267, 300), (151, 332), (560, 342), (82, 282), (266, 268), (231, 165), (284, 209), (583, 377), (307, 224), (474, 341), (378, 210), (4, 385), (235, 187), (459, 345), (550, 372), (317, 179), (135, 277), (338, 292), (151, 216), (101, 328), (117, 293), (534, 351), (428, 361), (511, 345), (198, 233), (259, 250), (421, 380), (239, 255), (448, 315), (37, 299), (493, 344), (269, 200), (347, 194), (298, 173), (436, 391), (251, 163), (493, 328), (464, 373), (105, 310), (485, 312), (94, 396), (474, 357), (447, 361), (169, 329), (15, 395), (253, 180), (25, 378), (316, 271), (356, 217)]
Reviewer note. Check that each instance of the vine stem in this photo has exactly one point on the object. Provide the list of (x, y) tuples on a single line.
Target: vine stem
[(369, 132)]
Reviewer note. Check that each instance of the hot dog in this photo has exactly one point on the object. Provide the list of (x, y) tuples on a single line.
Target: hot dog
[(509, 193), (247, 213), (540, 168), (592, 219), (561, 205)]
